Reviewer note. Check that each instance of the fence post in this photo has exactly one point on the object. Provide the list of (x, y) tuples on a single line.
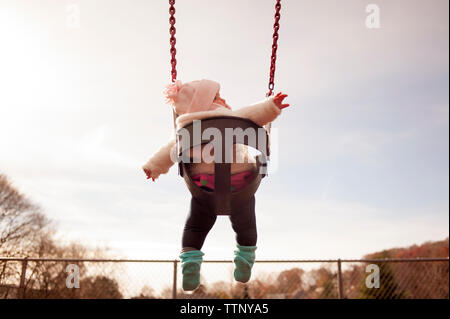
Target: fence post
[(174, 288), (23, 277), (339, 278)]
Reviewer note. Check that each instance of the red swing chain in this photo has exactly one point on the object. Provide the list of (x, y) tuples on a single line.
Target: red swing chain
[(173, 52), (273, 58), (173, 40)]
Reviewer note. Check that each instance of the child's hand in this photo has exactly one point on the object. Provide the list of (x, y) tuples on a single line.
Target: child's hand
[(278, 100), (148, 172)]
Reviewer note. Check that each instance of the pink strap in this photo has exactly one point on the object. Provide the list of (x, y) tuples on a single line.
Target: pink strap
[(238, 181)]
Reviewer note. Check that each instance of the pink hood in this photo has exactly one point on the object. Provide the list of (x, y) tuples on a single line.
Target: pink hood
[(192, 97)]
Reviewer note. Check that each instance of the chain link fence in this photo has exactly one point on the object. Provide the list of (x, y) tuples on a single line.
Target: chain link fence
[(271, 279)]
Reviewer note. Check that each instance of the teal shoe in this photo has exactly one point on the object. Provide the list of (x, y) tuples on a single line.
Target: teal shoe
[(190, 266), (244, 258)]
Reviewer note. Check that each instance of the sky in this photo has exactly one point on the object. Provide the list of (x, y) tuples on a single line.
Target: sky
[(362, 152)]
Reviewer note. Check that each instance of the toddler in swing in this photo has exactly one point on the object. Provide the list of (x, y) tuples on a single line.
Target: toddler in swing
[(199, 100)]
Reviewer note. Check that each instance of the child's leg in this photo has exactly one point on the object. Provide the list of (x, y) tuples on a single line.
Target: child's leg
[(243, 221), (198, 223)]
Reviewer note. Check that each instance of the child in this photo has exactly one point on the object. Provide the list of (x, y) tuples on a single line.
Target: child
[(199, 100)]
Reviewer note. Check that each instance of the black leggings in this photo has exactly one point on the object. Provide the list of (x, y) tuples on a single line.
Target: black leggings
[(201, 219)]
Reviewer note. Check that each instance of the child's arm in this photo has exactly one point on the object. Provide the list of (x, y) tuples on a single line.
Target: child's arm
[(264, 112), (161, 161)]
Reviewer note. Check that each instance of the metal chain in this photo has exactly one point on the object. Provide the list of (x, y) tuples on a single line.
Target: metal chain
[(173, 40), (173, 60), (273, 58)]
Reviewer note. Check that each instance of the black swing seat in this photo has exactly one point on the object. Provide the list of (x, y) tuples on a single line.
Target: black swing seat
[(222, 198)]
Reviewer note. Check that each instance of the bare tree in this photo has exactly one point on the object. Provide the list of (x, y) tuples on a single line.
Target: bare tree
[(22, 226)]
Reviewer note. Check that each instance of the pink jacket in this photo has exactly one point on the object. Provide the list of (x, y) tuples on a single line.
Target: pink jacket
[(261, 113)]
